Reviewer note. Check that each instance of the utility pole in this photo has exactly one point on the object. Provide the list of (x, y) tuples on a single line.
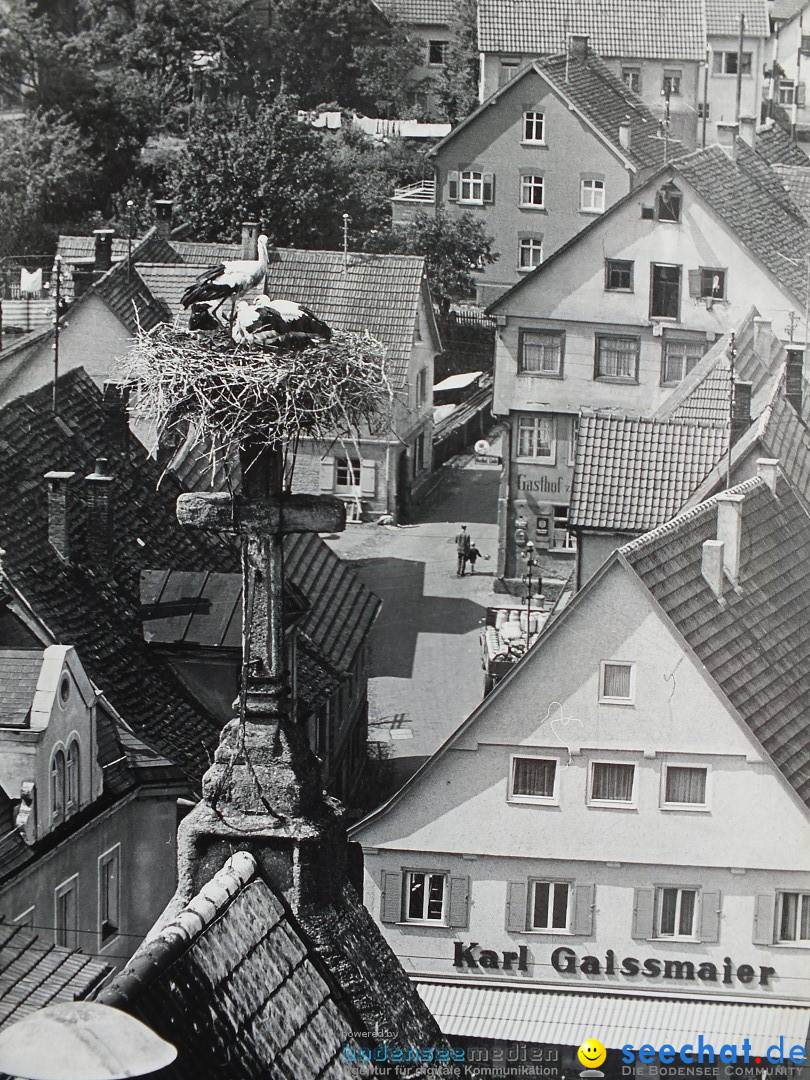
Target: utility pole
[(346, 220), (705, 97), (793, 318), (57, 312), (130, 205), (739, 68), (531, 562), (731, 353), (667, 92)]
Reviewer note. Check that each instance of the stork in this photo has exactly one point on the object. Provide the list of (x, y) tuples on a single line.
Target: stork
[(229, 280), (207, 317), (278, 322)]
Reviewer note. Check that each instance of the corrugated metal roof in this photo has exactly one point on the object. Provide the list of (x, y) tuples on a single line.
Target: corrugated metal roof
[(536, 1015)]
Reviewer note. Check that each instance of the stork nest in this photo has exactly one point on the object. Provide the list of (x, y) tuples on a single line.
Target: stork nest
[(229, 396)]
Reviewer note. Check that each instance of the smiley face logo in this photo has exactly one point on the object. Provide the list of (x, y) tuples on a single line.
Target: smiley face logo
[(592, 1054)]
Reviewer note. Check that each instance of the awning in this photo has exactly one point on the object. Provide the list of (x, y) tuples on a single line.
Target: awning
[(535, 1015)]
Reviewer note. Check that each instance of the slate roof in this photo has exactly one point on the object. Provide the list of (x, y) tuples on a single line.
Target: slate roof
[(19, 674), (245, 988), (421, 12), (796, 178), (34, 974), (755, 645), (632, 475), (649, 29), (378, 293), (101, 618), (723, 17), (775, 145)]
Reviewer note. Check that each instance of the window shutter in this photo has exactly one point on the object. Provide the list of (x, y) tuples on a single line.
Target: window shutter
[(327, 480), (459, 902), (391, 903), (643, 905), (800, 98), (583, 909), (710, 916), (452, 186), (516, 906), (763, 919), (489, 187), (695, 279), (368, 477)]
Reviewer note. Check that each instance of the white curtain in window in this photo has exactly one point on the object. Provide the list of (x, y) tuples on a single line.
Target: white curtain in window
[(616, 681), (612, 782), (534, 777), (686, 785)]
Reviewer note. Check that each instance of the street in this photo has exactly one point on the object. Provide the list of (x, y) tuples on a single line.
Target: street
[(426, 672)]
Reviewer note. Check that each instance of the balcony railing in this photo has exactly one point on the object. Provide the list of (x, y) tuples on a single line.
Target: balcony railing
[(423, 191)]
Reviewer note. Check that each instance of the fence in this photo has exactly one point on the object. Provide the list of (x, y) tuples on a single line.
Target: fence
[(469, 343)]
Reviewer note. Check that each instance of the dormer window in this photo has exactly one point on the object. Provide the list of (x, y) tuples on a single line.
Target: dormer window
[(58, 786), (668, 203), (73, 777)]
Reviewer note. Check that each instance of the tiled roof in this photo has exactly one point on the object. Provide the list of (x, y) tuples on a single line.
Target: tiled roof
[(748, 197), (786, 9), (125, 293), (101, 618), (34, 974), (723, 17), (19, 674), (785, 436), (242, 986), (421, 12), (205, 254), (378, 293), (631, 475), (151, 247), (796, 178), (646, 29), (775, 145), (756, 644)]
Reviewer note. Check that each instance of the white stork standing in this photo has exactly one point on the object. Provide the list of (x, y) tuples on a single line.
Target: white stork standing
[(278, 322), (229, 280)]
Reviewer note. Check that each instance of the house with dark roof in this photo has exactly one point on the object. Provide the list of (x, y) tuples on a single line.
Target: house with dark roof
[(430, 26), (617, 319), (539, 159), (660, 51), (630, 832)]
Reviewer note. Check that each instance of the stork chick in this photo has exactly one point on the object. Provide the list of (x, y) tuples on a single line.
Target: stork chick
[(278, 323)]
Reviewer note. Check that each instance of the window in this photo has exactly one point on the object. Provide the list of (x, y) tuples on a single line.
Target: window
[(533, 778), (534, 127), (704, 110), (685, 785), (109, 893), (632, 78), (675, 912), (421, 387), (712, 283), (725, 63), (66, 898), (563, 540), (437, 53), (665, 291), (419, 454), (541, 352), (612, 782), (536, 438), (73, 776), (531, 191), (507, 71), (58, 785), (668, 203), (616, 358), (787, 93), (618, 275), (549, 905), (805, 43), (425, 897), (671, 85), (617, 682), (530, 252), (471, 186), (592, 195), (572, 440), (678, 358), (347, 474), (793, 916)]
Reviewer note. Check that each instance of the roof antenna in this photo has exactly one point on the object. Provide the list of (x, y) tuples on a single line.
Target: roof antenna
[(346, 242)]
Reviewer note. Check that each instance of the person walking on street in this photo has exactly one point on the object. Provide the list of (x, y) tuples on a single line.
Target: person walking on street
[(472, 555), (463, 545)]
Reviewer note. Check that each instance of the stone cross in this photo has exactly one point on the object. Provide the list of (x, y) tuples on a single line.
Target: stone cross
[(262, 765)]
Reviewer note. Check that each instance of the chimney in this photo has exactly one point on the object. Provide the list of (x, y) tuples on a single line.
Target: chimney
[(727, 139), (578, 46), (103, 250), (82, 280), (729, 532), (740, 410), (768, 470), (60, 513), (624, 134), (163, 217), (712, 566), (748, 130), (99, 546), (250, 236), (114, 401), (794, 379)]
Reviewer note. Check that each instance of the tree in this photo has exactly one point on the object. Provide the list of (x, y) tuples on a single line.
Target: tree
[(457, 86), (452, 246)]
